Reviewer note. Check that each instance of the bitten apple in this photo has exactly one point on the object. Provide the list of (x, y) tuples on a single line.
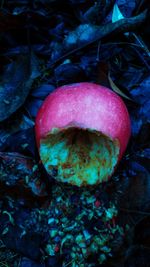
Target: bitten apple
[(82, 131)]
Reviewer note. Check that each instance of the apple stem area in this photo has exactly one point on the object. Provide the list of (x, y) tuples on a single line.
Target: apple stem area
[(78, 156)]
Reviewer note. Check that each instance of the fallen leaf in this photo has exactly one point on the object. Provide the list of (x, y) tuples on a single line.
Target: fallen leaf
[(116, 89)]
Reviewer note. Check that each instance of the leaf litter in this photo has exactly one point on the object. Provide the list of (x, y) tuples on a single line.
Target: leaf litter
[(67, 226)]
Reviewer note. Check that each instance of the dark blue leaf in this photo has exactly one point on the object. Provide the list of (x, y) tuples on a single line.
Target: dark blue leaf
[(22, 141), (136, 167), (53, 261), (145, 110), (43, 90), (33, 106), (142, 91), (146, 153), (16, 83), (26, 262), (136, 123)]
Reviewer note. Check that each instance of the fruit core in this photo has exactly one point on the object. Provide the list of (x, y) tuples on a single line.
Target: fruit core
[(79, 156)]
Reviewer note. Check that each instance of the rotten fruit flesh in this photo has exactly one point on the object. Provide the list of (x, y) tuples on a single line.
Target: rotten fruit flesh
[(80, 157)]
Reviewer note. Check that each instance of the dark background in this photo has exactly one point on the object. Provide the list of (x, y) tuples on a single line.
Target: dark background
[(36, 39)]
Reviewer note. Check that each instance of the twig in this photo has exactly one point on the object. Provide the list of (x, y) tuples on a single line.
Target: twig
[(123, 25)]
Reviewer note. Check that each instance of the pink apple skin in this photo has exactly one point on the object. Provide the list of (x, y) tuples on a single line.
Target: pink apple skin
[(86, 106)]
